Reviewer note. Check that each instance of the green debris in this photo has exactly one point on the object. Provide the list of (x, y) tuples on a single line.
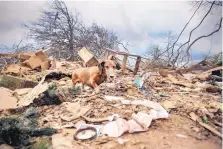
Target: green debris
[(17, 131), (15, 83), (205, 120)]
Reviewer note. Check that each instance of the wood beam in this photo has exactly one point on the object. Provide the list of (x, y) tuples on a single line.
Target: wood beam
[(137, 65)]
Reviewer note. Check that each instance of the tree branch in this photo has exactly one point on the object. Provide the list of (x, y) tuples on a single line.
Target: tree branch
[(186, 26), (215, 31), (197, 26)]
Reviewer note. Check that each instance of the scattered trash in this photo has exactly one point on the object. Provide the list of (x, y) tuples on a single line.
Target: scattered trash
[(193, 116), (16, 69), (88, 133), (13, 83), (160, 111), (163, 95), (7, 100), (146, 91), (32, 112), (181, 82), (181, 136), (95, 120), (116, 128), (75, 111), (16, 131), (135, 127), (139, 82), (143, 119), (34, 93), (113, 98), (212, 89), (68, 125), (170, 104), (111, 85), (139, 122), (205, 119), (99, 128), (113, 117), (122, 141), (36, 60), (87, 57), (22, 91), (79, 123), (211, 129), (196, 129)]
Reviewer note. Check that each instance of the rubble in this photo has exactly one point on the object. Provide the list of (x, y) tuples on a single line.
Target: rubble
[(116, 128), (13, 83), (87, 133), (30, 61), (128, 103), (7, 94), (16, 131)]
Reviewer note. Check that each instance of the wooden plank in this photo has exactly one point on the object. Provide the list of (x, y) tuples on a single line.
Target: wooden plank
[(119, 62), (124, 63), (106, 55), (85, 54), (214, 69), (137, 65), (211, 129), (124, 53)]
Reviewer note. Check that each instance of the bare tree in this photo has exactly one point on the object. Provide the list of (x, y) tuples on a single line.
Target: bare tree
[(155, 52), (165, 53), (99, 38), (211, 6), (65, 32), (178, 52)]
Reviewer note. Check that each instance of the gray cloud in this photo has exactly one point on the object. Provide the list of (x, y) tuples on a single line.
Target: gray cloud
[(133, 21)]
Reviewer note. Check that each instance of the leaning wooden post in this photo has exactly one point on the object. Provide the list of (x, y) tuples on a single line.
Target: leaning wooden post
[(137, 65), (106, 55), (124, 63)]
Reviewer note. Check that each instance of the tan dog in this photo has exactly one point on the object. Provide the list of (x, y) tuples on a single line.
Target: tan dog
[(94, 76)]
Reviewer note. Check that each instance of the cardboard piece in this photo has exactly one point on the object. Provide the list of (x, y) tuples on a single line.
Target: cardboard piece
[(36, 59), (45, 65), (7, 100)]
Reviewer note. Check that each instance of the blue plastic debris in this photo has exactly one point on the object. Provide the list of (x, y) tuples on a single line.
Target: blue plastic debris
[(139, 81)]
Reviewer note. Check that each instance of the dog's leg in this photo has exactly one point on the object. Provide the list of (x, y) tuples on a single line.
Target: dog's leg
[(82, 87), (96, 87), (94, 84), (75, 80)]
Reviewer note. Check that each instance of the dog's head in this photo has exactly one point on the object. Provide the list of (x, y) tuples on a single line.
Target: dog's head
[(108, 67)]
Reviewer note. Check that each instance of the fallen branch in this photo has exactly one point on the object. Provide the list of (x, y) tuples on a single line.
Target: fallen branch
[(211, 129), (195, 118), (205, 35)]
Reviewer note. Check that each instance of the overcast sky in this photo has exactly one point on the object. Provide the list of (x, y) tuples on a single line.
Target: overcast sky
[(140, 23)]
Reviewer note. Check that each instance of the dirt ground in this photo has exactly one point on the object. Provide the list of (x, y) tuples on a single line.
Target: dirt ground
[(161, 135)]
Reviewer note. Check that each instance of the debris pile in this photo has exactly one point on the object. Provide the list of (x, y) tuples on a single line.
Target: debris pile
[(41, 90)]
